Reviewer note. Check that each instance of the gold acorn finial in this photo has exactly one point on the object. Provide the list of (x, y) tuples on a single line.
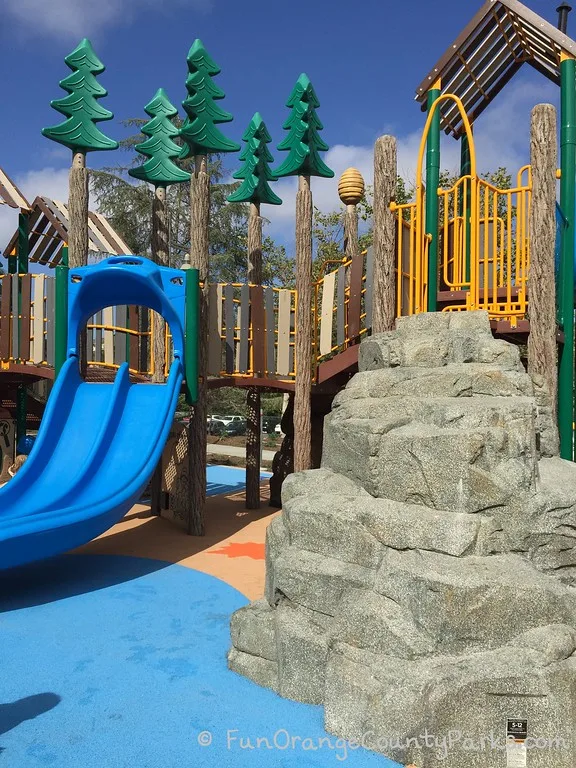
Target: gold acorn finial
[(351, 186)]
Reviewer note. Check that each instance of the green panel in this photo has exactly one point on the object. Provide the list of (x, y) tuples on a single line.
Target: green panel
[(61, 317), (566, 284), (79, 131), (160, 148), (256, 171), (199, 131), (23, 222), (465, 199), (432, 182), (303, 142)]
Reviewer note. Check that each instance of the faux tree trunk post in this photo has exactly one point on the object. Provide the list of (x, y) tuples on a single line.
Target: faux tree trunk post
[(159, 256), (254, 190), (351, 190), (542, 349), (304, 145), (78, 211), (159, 169), (303, 385), (197, 443), (78, 198), (384, 243), (253, 399)]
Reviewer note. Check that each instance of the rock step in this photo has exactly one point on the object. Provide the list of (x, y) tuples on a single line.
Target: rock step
[(454, 380)]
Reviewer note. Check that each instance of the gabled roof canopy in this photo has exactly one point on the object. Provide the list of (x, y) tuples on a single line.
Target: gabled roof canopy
[(502, 36), (48, 232)]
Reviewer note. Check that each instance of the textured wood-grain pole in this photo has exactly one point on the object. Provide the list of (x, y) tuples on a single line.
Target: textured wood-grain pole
[(351, 247), (384, 290), (253, 399), (351, 190), (199, 222), (159, 243), (303, 386), (542, 349), (78, 198), (160, 257), (78, 212)]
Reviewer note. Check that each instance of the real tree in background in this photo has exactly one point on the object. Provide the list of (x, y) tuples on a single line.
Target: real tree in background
[(303, 144), (81, 134), (161, 171), (255, 190), (201, 137)]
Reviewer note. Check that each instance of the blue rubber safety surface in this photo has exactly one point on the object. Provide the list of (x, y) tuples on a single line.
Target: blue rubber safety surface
[(220, 479), (120, 662)]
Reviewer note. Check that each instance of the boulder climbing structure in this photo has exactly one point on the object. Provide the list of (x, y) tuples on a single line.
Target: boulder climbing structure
[(422, 580)]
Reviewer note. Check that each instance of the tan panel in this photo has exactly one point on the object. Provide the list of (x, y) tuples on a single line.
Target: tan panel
[(37, 350), (284, 312), (108, 319), (214, 329), (327, 313), (107, 227)]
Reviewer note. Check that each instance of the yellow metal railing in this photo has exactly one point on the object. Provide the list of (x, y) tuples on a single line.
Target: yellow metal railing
[(483, 241)]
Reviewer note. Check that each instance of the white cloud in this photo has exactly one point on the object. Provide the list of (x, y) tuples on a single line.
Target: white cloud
[(501, 140), (46, 182), (78, 18)]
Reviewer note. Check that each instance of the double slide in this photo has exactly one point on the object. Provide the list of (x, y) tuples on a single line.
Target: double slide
[(98, 443)]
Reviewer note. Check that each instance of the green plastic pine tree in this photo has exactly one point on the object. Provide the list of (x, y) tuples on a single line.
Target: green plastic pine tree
[(303, 141), (79, 131), (160, 148), (199, 132), (256, 172)]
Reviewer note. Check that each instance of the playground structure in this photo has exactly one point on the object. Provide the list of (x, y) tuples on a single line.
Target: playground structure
[(464, 248), (426, 573)]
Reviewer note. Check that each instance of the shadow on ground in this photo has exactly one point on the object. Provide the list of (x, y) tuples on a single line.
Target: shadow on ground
[(17, 712)]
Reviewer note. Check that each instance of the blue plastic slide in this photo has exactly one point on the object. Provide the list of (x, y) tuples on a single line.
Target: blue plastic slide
[(98, 444)]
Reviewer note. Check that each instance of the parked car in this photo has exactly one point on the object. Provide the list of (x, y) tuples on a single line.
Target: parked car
[(235, 428), (278, 429), (269, 424), (216, 427)]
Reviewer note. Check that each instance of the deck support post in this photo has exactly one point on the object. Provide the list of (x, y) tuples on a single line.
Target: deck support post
[(303, 384), (432, 183), (542, 349), (384, 243), (566, 285), (253, 397)]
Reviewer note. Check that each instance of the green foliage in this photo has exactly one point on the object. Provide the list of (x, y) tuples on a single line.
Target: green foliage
[(199, 131), (303, 141), (256, 171), (231, 401), (81, 107), (159, 147)]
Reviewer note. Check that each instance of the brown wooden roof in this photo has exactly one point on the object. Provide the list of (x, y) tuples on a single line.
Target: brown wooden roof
[(10, 194), (502, 36), (48, 232)]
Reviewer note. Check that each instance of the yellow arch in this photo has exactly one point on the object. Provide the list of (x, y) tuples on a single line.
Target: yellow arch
[(467, 129), (421, 244)]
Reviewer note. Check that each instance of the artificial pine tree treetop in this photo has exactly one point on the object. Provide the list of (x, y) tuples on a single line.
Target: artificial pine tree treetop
[(79, 131), (199, 132), (256, 172), (303, 141), (160, 148)]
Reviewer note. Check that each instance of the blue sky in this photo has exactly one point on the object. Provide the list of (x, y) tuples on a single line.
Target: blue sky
[(364, 59)]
